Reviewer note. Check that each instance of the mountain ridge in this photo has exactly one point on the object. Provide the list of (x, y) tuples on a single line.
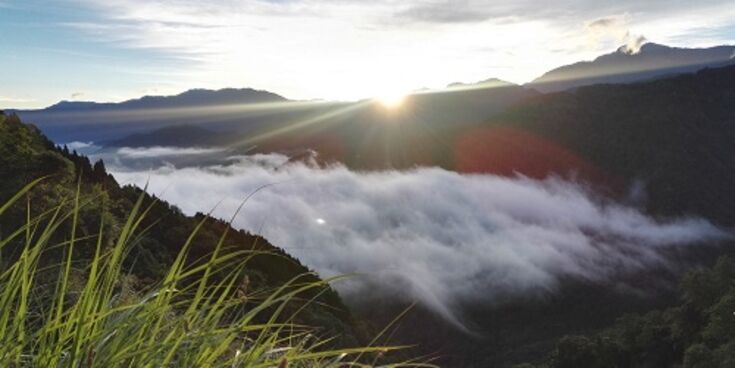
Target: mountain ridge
[(674, 60), (191, 97), (622, 66)]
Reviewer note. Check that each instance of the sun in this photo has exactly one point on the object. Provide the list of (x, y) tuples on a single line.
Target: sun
[(391, 100)]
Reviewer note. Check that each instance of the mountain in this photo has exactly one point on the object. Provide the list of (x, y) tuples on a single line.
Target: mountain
[(172, 136), (26, 154), (696, 332), (249, 112), (488, 83), (190, 98), (363, 134), (672, 135), (69, 121), (623, 66), (367, 135), (281, 124)]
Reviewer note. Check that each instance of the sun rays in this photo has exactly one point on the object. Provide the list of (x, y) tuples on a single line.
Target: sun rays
[(391, 100)]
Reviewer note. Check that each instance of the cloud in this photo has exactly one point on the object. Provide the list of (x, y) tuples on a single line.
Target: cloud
[(446, 12), (144, 159), (605, 23), (634, 43), (564, 11), (76, 145), (612, 31), (13, 99), (429, 234), (76, 95), (84, 148), (159, 151), (352, 49)]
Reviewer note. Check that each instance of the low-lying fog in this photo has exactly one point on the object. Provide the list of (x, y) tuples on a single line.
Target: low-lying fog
[(427, 234)]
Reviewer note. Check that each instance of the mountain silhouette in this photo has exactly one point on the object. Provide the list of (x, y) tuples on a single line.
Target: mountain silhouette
[(69, 121), (623, 66), (190, 98), (172, 136), (248, 113)]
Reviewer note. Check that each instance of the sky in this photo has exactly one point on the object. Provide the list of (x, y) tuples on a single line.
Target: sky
[(112, 50)]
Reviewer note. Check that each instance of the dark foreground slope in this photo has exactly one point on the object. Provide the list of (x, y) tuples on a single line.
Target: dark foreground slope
[(25, 154)]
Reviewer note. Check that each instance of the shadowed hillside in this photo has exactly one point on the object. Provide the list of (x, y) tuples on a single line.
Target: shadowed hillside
[(25, 155), (696, 332), (673, 136)]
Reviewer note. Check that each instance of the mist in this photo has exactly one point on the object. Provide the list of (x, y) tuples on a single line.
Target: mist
[(427, 234)]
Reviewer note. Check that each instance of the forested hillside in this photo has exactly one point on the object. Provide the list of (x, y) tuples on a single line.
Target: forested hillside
[(673, 136), (25, 155), (699, 332)]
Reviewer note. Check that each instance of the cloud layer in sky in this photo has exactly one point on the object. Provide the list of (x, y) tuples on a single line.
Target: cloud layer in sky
[(353, 49), (330, 49), (428, 234), (138, 153)]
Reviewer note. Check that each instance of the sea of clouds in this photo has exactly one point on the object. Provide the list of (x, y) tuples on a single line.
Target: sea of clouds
[(427, 234)]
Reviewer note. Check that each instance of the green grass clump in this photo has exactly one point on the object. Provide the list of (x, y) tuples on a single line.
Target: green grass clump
[(59, 311)]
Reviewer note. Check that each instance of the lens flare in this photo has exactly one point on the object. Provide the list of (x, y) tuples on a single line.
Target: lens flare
[(391, 100)]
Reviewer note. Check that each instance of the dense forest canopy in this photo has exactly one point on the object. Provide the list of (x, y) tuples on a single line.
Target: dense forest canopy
[(698, 332)]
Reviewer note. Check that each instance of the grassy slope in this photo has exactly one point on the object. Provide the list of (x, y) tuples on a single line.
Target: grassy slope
[(153, 250)]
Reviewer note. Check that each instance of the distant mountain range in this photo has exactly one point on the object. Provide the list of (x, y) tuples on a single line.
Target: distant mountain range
[(364, 134), (488, 83), (623, 66), (172, 136), (190, 98), (106, 122), (244, 111)]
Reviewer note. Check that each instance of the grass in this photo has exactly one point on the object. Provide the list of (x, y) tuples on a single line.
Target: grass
[(196, 316)]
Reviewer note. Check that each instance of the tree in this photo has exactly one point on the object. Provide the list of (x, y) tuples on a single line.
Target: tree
[(699, 356), (99, 172)]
